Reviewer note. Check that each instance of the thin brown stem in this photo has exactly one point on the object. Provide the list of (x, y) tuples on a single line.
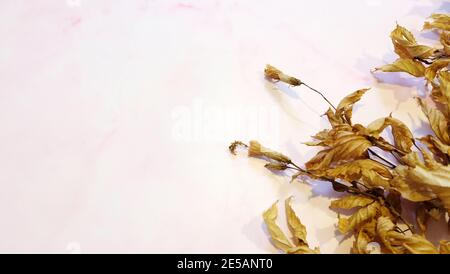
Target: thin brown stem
[(391, 165), (321, 94)]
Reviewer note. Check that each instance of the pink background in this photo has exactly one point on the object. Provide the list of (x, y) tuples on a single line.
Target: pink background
[(94, 95)]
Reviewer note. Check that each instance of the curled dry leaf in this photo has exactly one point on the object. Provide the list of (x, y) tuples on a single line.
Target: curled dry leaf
[(351, 201), (403, 138), (345, 148), (435, 180), (345, 107), (444, 247), (399, 243), (364, 236), (439, 149), (445, 41), (279, 239), (437, 120), (370, 171), (444, 81), (438, 21), (294, 223), (410, 66), (362, 216), (432, 70), (405, 45)]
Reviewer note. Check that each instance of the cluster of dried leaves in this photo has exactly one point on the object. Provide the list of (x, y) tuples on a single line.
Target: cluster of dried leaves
[(375, 186)]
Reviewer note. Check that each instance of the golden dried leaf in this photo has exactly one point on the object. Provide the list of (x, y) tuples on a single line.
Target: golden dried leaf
[(416, 244), (362, 216), (403, 138), (439, 149), (333, 119), (399, 243), (352, 169), (410, 66), (437, 121), (384, 226), (431, 70), (407, 189), (444, 80), (445, 41), (345, 106), (361, 241), (279, 239), (436, 94), (303, 250), (439, 21), (350, 201), (294, 223), (422, 218), (435, 180), (405, 45), (364, 236), (345, 148), (444, 247)]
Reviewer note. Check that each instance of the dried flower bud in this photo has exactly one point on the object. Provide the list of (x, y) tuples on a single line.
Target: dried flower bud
[(277, 166), (254, 150), (257, 150), (276, 74)]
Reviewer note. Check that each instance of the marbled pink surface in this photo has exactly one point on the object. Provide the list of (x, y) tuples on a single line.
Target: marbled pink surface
[(116, 116)]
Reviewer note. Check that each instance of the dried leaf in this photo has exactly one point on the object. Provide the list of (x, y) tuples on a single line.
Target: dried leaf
[(439, 149), (362, 216), (303, 250), (410, 66), (405, 44), (345, 107), (279, 239), (445, 41), (347, 147), (435, 180), (351, 201), (417, 244), (394, 199), (399, 243), (431, 71), (439, 21), (364, 236), (444, 80), (366, 168), (294, 223), (444, 247), (422, 218), (437, 121)]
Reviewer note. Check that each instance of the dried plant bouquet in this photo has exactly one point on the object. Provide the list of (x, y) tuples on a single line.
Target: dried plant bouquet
[(375, 186)]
